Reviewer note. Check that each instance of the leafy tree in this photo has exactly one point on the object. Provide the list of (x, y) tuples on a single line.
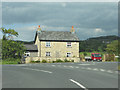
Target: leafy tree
[(8, 34), (10, 48), (113, 47)]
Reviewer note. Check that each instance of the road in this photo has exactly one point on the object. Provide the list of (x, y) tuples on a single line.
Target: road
[(61, 75)]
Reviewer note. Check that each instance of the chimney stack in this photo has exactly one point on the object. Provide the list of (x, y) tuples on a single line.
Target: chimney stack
[(38, 29), (72, 30)]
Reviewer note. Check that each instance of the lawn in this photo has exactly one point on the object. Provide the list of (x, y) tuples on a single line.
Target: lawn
[(10, 61)]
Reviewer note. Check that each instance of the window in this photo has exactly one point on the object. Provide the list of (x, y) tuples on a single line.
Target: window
[(68, 54), (27, 54), (69, 44), (47, 44), (47, 53)]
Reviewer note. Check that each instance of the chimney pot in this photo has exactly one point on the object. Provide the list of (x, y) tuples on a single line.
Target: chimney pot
[(72, 30)]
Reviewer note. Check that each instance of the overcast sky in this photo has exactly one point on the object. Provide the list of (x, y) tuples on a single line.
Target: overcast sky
[(89, 19)]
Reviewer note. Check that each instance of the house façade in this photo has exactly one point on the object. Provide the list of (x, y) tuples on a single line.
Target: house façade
[(53, 45)]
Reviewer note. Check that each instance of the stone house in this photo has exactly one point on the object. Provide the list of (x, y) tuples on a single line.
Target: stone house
[(53, 45)]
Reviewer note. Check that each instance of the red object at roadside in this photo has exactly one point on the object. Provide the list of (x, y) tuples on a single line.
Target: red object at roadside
[(96, 57)]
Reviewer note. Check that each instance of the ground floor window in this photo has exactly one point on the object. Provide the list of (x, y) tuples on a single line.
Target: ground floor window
[(47, 53), (68, 54), (27, 54)]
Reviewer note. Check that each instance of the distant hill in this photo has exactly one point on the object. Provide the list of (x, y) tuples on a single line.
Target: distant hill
[(97, 43), (26, 42), (91, 44)]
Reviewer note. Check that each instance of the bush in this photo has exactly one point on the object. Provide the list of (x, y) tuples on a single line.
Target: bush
[(44, 61), (53, 61), (85, 54), (66, 60), (11, 61), (37, 61), (72, 60), (58, 60)]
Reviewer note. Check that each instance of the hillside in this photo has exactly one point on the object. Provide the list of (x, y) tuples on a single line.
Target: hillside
[(96, 43), (91, 44)]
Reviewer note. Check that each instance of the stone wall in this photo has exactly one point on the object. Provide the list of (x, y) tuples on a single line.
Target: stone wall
[(60, 49), (29, 59)]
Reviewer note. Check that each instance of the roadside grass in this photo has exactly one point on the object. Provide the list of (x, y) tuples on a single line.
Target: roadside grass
[(10, 61), (118, 67)]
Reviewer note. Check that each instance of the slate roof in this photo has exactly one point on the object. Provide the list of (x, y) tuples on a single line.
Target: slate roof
[(57, 36), (31, 47)]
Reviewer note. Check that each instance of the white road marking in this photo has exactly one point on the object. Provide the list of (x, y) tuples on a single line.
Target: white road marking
[(53, 65), (71, 66), (95, 69), (80, 85), (76, 67), (109, 71), (89, 68), (38, 70), (86, 64), (102, 70), (64, 66)]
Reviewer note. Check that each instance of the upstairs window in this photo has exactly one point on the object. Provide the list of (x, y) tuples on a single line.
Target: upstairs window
[(69, 44), (68, 54), (47, 44), (47, 53)]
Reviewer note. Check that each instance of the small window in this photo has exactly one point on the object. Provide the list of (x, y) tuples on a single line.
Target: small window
[(47, 53), (69, 44), (27, 54), (47, 44), (68, 54)]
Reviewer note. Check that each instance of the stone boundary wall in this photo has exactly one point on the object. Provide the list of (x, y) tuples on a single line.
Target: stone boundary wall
[(29, 59)]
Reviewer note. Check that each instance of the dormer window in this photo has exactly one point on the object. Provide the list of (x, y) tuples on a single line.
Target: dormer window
[(69, 44), (48, 44)]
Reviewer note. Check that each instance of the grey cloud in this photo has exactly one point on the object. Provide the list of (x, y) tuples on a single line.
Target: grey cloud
[(85, 16)]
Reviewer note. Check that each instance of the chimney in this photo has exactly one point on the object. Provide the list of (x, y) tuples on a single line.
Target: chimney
[(39, 29), (72, 30)]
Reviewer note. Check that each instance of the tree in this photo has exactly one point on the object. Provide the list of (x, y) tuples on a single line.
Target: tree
[(10, 48), (8, 34), (113, 47)]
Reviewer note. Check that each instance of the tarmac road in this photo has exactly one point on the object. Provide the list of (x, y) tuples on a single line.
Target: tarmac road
[(61, 75)]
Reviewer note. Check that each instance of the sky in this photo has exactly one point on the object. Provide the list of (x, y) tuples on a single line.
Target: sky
[(89, 19)]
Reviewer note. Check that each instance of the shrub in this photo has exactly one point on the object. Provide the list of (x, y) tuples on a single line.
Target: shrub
[(44, 61), (58, 60), (66, 60), (72, 60), (37, 61), (85, 54)]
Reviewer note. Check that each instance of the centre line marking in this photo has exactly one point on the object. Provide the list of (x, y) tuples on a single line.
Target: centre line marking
[(71, 66), (89, 68), (95, 69), (53, 65), (80, 85), (102, 70), (109, 71), (76, 67), (38, 70)]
